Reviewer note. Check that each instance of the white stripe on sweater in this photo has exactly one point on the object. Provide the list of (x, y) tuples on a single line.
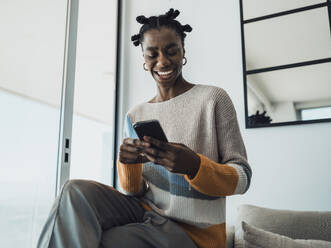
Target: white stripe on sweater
[(202, 213), (242, 179)]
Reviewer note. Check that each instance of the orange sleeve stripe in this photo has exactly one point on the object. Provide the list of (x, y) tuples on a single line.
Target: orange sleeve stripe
[(130, 176), (213, 178)]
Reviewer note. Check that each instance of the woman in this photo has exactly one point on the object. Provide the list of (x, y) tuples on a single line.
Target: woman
[(174, 191)]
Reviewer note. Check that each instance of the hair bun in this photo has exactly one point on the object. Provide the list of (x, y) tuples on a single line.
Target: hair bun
[(187, 28), (167, 20), (135, 37), (172, 14), (142, 19)]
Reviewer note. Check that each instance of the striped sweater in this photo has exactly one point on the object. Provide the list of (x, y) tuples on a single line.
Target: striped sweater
[(204, 119)]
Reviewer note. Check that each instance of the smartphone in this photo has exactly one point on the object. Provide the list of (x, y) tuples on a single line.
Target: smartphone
[(150, 128)]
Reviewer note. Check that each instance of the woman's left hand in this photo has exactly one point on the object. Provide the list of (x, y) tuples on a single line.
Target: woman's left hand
[(175, 157)]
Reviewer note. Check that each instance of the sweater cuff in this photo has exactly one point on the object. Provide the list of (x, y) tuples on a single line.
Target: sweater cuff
[(213, 178), (130, 177), (199, 176)]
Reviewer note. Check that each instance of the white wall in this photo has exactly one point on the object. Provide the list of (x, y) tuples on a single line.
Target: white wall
[(291, 164), (283, 112)]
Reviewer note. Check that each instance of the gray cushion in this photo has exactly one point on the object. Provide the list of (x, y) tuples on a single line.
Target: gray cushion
[(294, 224), (256, 238)]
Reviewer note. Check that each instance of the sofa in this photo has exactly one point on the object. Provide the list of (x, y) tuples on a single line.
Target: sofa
[(265, 227)]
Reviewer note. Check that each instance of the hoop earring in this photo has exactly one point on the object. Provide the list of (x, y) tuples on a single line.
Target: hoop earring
[(145, 67), (185, 61)]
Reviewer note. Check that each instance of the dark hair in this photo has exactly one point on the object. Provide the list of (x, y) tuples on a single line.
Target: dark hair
[(167, 20)]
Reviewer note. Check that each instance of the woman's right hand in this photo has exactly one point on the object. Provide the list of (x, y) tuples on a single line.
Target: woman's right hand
[(130, 151)]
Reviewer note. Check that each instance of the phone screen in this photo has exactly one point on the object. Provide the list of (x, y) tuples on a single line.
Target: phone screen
[(150, 128)]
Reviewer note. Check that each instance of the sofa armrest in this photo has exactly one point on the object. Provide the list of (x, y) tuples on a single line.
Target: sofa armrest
[(294, 224)]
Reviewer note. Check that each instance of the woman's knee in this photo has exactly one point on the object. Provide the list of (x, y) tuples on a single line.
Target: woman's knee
[(84, 186), (77, 185)]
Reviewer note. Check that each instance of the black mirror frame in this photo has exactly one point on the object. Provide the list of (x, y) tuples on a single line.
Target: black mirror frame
[(245, 72)]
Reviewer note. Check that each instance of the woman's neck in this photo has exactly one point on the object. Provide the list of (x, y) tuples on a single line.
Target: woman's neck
[(168, 92)]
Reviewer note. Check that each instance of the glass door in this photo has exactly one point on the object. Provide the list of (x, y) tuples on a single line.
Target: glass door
[(31, 68)]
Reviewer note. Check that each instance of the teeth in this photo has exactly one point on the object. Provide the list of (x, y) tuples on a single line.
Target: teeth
[(164, 73)]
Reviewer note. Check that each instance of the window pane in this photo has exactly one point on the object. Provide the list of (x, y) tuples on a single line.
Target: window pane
[(31, 62), (284, 93), (316, 113), (92, 134)]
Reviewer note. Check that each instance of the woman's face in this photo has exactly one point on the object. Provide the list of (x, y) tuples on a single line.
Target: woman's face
[(163, 53)]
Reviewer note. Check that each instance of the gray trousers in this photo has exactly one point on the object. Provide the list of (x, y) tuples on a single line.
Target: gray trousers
[(91, 214)]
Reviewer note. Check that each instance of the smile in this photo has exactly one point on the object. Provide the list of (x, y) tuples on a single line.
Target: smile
[(164, 74)]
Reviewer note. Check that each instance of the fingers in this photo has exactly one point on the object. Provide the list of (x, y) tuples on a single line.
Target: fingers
[(161, 161), (135, 142), (158, 143), (161, 152), (130, 151), (129, 148), (130, 141), (155, 152), (133, 145), (128, 157)]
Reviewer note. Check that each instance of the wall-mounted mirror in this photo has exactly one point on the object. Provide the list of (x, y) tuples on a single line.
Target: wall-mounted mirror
[(286, 61)]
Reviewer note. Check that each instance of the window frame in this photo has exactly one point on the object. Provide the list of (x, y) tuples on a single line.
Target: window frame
[(67, 97)]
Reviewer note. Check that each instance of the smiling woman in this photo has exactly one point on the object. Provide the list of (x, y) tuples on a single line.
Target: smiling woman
[(205, 158), (172, 194), (162, 43), (163, 56)]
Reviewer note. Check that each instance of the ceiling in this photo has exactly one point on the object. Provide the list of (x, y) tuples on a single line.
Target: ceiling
[(32, 54)]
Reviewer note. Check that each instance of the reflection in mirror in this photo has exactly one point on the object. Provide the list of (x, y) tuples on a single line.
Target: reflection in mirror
[(287, 39), (257, 8), (284, 94), (287, 61)]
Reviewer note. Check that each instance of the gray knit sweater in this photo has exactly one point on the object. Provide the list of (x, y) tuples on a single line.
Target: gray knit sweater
[(204, 119)]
